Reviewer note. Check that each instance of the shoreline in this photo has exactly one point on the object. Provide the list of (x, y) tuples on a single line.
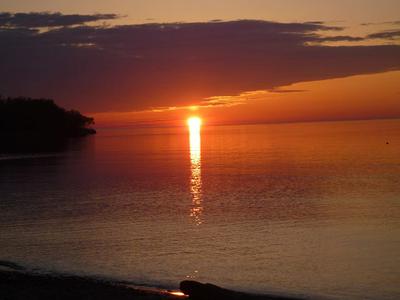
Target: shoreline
[(17, 282), (20, 284)]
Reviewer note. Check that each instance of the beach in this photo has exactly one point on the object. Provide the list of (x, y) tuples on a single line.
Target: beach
[(16, 283)]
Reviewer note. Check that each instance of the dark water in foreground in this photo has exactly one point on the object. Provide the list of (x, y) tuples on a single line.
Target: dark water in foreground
[(300, 208)]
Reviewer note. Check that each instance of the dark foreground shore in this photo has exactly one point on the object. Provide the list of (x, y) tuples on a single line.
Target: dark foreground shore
[(16, 283), (19, 285)]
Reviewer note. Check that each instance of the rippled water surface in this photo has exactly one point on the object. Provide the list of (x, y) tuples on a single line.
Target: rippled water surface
[(309, 208)]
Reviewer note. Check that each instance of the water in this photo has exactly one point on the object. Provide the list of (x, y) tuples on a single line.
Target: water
[(309, 208)]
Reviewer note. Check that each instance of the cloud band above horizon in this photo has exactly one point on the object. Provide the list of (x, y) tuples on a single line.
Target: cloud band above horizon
[(138, 67)]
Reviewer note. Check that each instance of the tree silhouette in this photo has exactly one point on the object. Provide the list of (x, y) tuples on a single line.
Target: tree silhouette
[(28, 125), (26, 115)]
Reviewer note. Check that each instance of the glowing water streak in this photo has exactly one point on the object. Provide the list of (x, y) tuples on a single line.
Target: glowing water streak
[(195, 167)]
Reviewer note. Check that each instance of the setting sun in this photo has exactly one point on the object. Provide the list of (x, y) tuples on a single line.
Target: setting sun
[(194, 123)]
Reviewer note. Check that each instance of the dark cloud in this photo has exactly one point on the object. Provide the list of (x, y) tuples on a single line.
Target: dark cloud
[(36, 20), (339, 38), (381, 23), (136, 67), (387, 35)]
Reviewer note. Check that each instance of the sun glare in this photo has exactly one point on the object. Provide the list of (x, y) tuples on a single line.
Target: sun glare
[(194, 123)]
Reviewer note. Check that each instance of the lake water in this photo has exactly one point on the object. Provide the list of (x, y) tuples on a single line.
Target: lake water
[(307, 208)]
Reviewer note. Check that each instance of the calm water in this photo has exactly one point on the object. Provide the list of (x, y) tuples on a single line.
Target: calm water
[(299, 208)]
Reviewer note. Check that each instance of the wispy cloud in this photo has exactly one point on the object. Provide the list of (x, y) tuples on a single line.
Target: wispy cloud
[(381, 23), (338, 38), (387, 35), (37, 20)]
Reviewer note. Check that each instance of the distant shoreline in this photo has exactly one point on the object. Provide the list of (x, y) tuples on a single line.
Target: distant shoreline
[(39, 125)]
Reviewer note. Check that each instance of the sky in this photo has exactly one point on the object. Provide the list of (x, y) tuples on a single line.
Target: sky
[(205, 10), (155, 62)]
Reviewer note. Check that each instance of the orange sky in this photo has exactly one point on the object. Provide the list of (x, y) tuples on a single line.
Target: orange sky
[(355, 97), (131, 62), (143, 11)]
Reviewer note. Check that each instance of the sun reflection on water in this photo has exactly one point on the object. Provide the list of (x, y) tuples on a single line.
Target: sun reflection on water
[(196, 211)]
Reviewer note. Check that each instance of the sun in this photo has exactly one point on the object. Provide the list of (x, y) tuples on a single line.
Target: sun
[(194, 123)]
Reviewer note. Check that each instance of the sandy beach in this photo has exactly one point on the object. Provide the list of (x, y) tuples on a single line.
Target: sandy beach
[(17, 283)]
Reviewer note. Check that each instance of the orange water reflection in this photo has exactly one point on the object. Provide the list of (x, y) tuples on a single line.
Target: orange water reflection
[(195, 175)]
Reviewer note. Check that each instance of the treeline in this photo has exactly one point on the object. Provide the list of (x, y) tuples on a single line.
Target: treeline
[(41, 117)]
